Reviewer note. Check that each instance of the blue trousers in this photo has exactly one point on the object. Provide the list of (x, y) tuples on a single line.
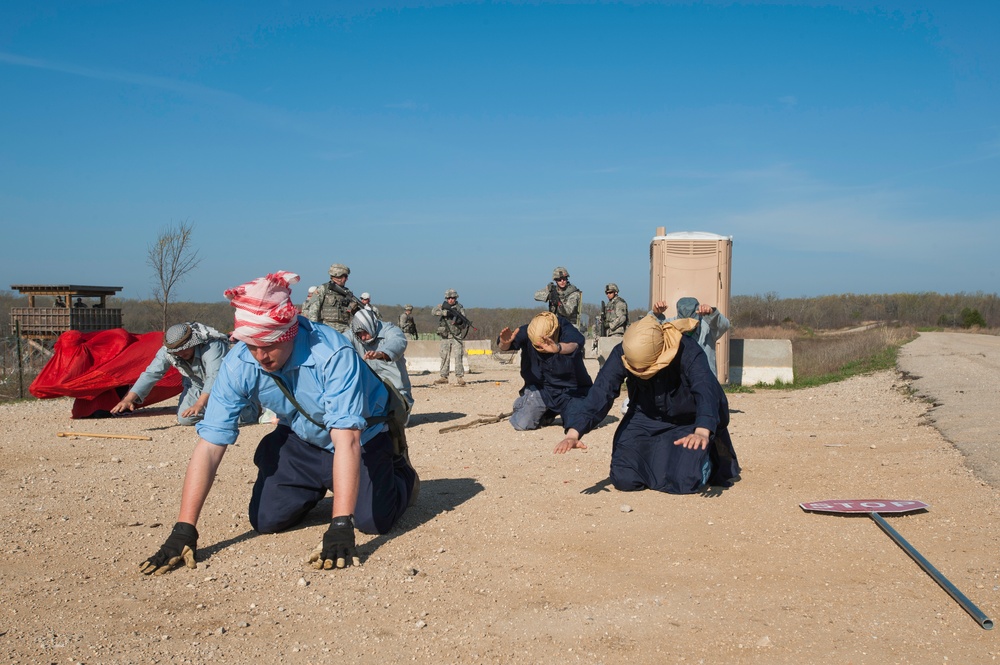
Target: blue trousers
[(293, 476), (643, 455)]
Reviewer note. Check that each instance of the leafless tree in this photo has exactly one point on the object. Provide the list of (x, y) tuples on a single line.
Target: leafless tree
[(171, 257)]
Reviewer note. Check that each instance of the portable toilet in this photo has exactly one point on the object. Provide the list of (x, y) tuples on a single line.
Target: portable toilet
[(696, 264)]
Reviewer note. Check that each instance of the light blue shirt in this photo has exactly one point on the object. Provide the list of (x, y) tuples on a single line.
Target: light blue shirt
[(324, 373), (199, 372), (710, 328), (390, 340)]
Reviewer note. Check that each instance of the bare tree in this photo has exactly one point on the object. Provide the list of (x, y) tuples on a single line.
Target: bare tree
[(171, 257)]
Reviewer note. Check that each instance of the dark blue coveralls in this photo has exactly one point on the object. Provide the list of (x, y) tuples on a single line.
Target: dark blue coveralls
[(561, 380), (670, 405)]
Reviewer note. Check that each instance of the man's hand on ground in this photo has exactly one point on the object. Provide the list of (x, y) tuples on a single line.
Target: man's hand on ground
[(697, 440), (180, 546), (568, 444), (338, 548)]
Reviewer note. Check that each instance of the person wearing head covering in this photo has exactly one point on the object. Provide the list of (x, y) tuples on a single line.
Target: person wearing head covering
[(196, 350), (563, 298), (332, 432), (333, 303), (309, 295), (555, 378), (407, 324), (712, 325), (366, 303), (674, 437), (453, 327), (382, 344)]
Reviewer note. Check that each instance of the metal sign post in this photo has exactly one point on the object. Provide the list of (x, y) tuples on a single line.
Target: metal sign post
[(875, 506)]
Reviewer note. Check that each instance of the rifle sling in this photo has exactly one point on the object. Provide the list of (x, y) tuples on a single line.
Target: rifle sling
[(291, 398)]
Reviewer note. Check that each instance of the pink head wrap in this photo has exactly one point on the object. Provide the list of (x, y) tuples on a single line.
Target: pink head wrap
[(264, 310)]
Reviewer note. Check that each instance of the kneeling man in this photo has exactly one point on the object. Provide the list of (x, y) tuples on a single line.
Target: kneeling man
[(555, 378), (331, 432)]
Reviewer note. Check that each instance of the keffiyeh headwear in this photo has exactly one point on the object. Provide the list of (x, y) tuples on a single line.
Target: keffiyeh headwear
[(543, 325), (366, 320), (649, 346), (264, 310), (183, 336)]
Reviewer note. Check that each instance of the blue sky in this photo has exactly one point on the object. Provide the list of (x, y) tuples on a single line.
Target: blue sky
[(848, 147)]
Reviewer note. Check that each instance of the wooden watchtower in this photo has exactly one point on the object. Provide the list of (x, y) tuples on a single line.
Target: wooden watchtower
[(55, 309)]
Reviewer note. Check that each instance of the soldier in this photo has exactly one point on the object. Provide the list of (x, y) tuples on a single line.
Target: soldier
[(614, 312), (453, 327), (407, 324), (563, 298), (309, 295), (329, 307), (366, 303)]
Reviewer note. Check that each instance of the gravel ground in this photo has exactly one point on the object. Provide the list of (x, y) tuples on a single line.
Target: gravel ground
[(512, 554)]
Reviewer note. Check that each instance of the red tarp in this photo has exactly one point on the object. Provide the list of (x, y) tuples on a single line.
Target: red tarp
[(98, 368)]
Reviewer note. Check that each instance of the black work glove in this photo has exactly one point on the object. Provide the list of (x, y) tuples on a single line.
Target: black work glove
[(181, 545), (337, 548)]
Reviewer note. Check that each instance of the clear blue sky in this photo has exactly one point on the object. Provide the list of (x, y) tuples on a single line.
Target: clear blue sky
[(846, 146)]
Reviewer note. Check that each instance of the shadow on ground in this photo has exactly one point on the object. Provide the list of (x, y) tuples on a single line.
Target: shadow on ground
[(436, 496)]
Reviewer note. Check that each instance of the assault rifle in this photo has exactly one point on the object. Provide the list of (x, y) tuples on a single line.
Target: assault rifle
[(553, 298), (346, 293), (460, 318)]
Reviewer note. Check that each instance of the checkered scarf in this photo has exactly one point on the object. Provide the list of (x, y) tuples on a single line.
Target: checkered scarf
[(264, 310)]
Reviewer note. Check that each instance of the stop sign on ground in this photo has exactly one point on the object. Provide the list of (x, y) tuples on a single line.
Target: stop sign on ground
[(864, 506)]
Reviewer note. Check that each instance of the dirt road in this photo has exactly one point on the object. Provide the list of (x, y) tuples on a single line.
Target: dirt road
[(960, 374), (512, 554)]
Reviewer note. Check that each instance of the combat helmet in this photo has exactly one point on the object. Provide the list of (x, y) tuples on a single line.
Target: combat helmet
[(450, 293), (339, 270), (611, 288), (560, 272)]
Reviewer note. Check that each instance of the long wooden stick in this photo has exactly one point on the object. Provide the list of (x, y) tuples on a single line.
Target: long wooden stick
[(106, 436), (475, 423)]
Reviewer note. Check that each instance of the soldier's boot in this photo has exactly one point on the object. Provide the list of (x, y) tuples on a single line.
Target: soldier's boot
[(459, 381), (443, 379)]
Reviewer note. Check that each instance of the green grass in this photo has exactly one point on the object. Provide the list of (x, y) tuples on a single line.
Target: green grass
[(822, 360), (884, 359)]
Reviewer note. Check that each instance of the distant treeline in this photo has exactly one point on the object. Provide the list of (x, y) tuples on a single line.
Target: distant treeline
[(960, 310)]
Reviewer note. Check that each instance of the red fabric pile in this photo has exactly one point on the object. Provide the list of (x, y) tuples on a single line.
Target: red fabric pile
[(98, 368)]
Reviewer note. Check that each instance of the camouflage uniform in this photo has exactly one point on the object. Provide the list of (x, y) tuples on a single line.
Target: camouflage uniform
[(453, 335), (615, 313), (407, 324), (570, 298), (327, 307)]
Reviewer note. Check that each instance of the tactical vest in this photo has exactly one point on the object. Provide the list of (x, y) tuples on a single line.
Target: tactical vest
[(335, 309)]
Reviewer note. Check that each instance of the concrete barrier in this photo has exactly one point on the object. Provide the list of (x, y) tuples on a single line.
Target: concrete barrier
[(605, 345), (424, 356), (753, 361)]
